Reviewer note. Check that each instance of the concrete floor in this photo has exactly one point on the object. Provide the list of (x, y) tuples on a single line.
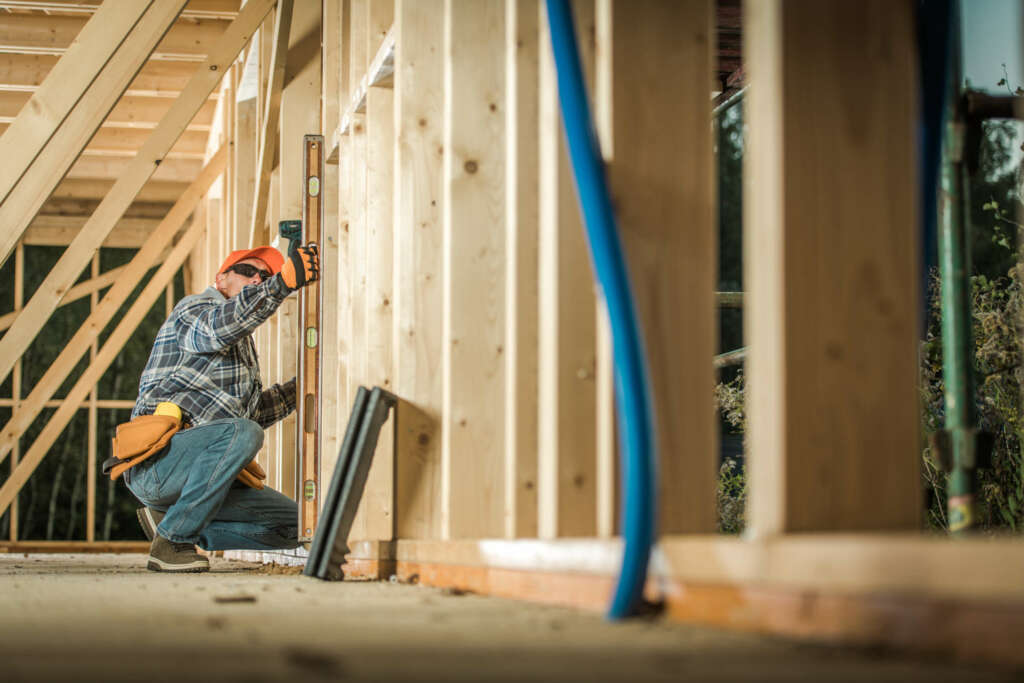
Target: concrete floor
[(105, 618)]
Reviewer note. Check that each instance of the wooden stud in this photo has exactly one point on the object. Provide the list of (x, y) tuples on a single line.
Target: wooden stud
[(19, 301), (41, 446), (661, 176), (40, 167), (521, 116), (299, 114), (90, 468), (76, 256), (567, 425), (108, 307), (379, 288), (419, 73), (332, 423), (268, 135), (473, 338), (246, 149), (831, 309)]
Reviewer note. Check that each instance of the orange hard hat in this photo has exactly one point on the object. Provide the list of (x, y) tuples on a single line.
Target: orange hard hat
[(272, 257)]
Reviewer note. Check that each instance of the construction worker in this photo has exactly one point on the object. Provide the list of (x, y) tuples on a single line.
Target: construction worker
[(204, 363)]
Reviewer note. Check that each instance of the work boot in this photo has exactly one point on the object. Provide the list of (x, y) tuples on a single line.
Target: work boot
[(149, 519), (168, 556)]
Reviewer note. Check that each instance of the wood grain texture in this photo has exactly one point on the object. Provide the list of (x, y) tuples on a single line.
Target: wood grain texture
[(473, 365), (662, 182), (521, 290), (418, 258), (832, 268), (380, 252), (299, 115), (567, 422)]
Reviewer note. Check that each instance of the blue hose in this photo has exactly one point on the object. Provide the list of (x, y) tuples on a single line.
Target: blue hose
[(631, 382)]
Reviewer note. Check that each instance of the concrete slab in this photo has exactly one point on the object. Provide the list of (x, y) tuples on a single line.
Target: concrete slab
[(104, 617)]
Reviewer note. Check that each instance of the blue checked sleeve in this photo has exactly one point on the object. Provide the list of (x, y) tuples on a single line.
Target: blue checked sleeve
[(276, 403), (208, 326)]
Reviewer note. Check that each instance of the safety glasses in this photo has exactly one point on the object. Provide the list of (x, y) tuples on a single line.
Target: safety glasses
[(246, 270)]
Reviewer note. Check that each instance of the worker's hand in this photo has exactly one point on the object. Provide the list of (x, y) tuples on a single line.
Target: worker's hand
[(302, 266)]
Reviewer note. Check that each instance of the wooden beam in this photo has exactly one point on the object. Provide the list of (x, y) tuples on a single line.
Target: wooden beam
[(567, 403), (74, 259), (419, 93), (356, 200), (90, 457), (521, 116), (65, 547), (661, 175), (131, 111), (103, 404), (50, 163), (379, 273), (165, 79), (831, 305), (75, 189), (114, 168), (16, 389), (268, 136), (332, 400), (122, 288), (54, 231), (125, 328), (186, 40), (246, 148), (473, 361), (299, 113), (196, 9), (126, 142), (36, 123)]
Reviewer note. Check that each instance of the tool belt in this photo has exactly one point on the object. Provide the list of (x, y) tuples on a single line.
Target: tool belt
[(146, 435)]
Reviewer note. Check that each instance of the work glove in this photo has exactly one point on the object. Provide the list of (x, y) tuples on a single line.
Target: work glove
[(302, 266), (253, 475)]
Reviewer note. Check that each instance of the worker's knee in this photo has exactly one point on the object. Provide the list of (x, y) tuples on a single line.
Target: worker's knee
[(248, 436)]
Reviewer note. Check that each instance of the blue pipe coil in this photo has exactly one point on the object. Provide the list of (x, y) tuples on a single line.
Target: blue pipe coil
[(631, 382)]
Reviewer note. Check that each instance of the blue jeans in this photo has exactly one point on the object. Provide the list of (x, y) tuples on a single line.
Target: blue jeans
[(193, 481)]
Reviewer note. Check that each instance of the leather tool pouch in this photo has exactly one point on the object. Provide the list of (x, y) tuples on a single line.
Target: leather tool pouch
[(149, 434), (137, 440)]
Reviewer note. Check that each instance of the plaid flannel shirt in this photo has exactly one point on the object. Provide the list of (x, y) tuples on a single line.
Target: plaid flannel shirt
[(204, 359)]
